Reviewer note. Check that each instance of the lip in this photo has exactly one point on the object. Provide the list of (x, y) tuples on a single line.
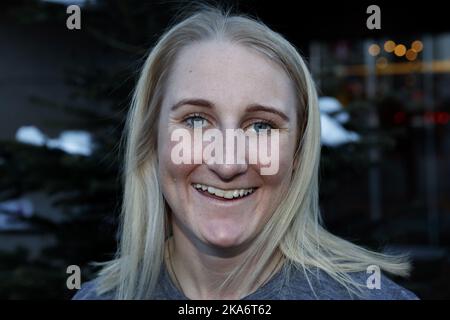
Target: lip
[(225, 188), (222, 201)]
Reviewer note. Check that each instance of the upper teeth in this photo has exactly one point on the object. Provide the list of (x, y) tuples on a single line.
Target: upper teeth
[(227, 194)]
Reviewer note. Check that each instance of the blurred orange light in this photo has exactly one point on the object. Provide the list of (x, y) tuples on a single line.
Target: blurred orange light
[(382, 62), (374, 50), (417, 46), (389, 46), (411, 55), (400, 50)]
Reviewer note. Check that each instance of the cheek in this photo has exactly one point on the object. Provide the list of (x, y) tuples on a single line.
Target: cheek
[(275, 159), (277, 185), (174, 182), (170, 171)]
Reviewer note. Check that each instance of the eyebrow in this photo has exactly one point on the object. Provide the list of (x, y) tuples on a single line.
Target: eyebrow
[(194, 102), (258, 107), (250, 108)]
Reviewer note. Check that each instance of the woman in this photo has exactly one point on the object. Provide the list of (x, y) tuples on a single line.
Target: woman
[(211, 230)]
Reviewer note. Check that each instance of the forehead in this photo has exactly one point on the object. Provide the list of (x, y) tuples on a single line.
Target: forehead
[(229, 74)]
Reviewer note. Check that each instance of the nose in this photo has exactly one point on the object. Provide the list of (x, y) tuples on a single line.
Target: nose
[(232, 160), (228, 172)]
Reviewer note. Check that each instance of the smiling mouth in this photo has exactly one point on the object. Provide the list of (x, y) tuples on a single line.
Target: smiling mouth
[(232, 194)]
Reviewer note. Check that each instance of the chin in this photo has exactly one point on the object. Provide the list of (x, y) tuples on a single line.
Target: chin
[(224, 237)]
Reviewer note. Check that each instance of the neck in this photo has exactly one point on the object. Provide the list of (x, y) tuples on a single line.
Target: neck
[(199, 271)]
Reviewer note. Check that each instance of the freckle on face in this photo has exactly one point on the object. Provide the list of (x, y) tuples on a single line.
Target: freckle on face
[(232, 77)]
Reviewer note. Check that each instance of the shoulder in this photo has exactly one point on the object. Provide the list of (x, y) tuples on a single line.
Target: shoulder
[(88, 291), (386, 289), (320, 285)]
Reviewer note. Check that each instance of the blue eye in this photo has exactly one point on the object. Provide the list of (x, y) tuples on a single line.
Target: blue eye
[(195, 122), (259, 126)]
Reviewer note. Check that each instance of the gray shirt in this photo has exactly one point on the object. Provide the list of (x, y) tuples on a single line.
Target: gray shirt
[(284, 285)]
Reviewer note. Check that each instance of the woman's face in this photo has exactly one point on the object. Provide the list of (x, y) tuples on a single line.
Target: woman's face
[(226, 85)]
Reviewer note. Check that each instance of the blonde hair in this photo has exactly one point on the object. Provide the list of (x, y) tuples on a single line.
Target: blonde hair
[(295, 226)]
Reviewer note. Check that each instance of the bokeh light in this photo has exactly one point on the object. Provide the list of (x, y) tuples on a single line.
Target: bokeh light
[(417, 46), (374, 50), (411, 54), (389, 46), (381, 62), (400, 50)]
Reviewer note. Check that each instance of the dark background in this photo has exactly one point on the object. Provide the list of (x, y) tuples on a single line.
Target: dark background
[(59, 209)]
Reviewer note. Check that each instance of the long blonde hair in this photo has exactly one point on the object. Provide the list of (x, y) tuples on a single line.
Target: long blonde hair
[(295, 227)]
